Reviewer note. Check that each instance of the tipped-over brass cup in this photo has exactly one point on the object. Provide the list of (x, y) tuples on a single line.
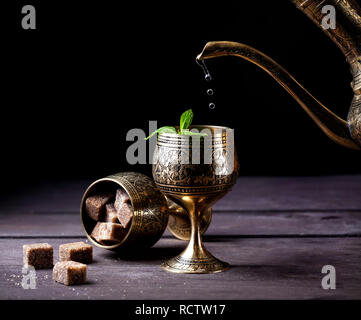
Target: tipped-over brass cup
[(195, 171)]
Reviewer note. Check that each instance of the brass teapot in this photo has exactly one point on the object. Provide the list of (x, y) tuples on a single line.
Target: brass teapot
[(347, 36)]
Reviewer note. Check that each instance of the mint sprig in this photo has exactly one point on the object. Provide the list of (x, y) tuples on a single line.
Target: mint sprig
[(185, 120), (184, 123), (162, 130)]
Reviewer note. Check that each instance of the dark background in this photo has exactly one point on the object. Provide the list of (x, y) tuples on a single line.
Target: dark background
[(95, 69)]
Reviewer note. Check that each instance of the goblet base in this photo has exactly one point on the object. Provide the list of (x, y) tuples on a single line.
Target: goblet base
[(180, 264)]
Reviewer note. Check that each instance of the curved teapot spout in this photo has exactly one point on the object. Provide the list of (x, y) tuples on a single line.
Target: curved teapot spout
[(333, 126)]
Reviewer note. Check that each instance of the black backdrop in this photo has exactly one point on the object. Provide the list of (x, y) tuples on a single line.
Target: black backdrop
[(92, 70)]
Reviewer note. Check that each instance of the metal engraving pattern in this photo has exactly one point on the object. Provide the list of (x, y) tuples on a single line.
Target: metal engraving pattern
[(182, 265), (212, 174), (354, 118)]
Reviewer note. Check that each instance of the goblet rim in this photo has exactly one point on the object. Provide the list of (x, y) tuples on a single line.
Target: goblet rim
[(211, 127)]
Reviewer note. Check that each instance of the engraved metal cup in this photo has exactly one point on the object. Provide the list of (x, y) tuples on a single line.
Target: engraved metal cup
[(150, 210), (195, 172)]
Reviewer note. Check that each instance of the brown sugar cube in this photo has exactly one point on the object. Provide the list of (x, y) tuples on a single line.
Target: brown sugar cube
[(125, 215), (38, 255), (69, 272), (110, 213), (76, 251), (124, 208), (108, 233), (121, 197), (94, 205)]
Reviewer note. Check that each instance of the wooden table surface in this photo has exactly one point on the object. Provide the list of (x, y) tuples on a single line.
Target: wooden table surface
[(277, 234)]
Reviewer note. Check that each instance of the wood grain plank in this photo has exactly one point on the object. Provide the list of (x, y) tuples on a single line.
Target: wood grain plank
[(40, 225), (58, 196), (288, 268), (249, 194), (293, 193), (286, 223), (246, 224)]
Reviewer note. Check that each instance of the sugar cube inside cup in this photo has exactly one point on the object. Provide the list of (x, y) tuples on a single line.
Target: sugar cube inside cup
[(113, 214)]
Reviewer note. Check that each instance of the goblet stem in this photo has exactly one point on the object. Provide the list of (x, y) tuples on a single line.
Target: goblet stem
[(196, 238), (195, 258), (179, 223), (195, 247)]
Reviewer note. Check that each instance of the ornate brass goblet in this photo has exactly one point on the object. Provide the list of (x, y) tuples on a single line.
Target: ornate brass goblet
[(195, 172)]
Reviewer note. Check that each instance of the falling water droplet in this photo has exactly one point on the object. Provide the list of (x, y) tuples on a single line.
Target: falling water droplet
[(207, 77), (202, 64)]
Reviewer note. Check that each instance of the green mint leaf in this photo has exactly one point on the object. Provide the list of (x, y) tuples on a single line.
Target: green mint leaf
[(185, 120), (162, 130)]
